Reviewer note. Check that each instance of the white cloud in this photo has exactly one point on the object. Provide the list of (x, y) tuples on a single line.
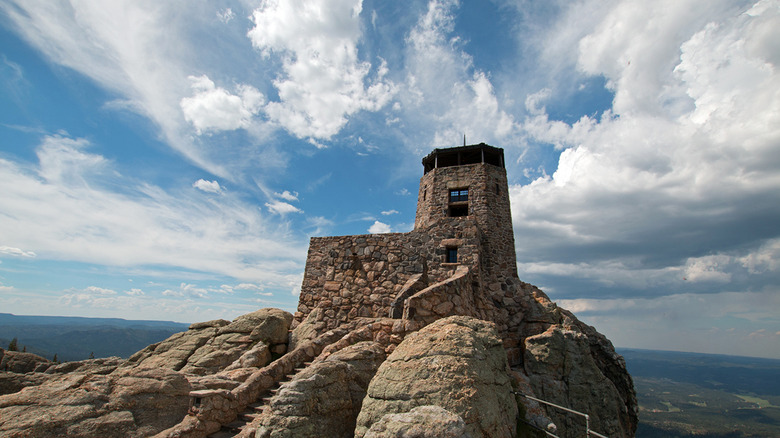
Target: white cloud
[(379, 228), (765, 258), (135, 292), (65, 210), (63, 160), (282, 208), (8, 250), (207, 186), (707, 268), (323, 80), (683, 169), (213, 108), (248, 286), (735, 323), (389, 212), (94, 290), (137, 50), (187, 290), (444, 91), (226, 15), (287, 195)]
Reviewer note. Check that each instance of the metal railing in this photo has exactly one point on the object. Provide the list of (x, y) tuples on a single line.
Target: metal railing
[(588, 432)]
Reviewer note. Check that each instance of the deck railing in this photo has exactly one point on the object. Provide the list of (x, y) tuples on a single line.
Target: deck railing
[(588, 432)]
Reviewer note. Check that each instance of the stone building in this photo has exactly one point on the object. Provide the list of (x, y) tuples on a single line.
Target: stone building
[(460, 260)]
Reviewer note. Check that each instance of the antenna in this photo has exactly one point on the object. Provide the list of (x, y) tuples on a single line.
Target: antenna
[(464, 139)]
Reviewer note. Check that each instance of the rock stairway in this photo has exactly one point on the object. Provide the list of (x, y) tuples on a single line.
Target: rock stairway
[(242, 426)]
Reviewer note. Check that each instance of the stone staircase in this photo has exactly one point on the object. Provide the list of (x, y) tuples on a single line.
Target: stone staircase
[(245, 425)]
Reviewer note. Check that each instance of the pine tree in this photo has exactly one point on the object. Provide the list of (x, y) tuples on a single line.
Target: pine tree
[(12, 345), (54, 359), (91, 354), (24, 349)]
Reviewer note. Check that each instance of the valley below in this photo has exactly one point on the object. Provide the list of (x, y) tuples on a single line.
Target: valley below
[(703, 395)]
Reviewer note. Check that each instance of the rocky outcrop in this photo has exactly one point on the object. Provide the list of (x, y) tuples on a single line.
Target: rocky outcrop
[(370, 377), (150, 392), (20, 362), (457, 363), (569, 363), (420, 422), (126, 403), (209, 347), (325, 398)]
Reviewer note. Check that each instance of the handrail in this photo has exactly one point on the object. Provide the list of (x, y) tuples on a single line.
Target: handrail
[(588, 432)]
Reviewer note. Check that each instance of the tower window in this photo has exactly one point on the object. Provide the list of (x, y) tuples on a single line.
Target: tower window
[(458, 210), (452, 255), (459, 195)]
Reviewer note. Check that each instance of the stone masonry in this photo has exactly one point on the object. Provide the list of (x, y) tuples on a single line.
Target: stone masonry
[(458, 260)]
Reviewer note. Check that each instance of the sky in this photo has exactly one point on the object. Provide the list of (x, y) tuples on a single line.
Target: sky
[(170, 160)]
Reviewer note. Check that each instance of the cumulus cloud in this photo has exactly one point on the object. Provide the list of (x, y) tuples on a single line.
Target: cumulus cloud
[(679, 178), (99, 291), (281, 207), (213, 108), (8, 250), (207, 186), (324, 81), (287, 195), (379, 228), (707, 268), (187, 290)]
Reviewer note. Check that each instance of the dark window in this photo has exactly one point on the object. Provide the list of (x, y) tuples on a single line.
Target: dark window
[(459, 195), (458, 210), (498, 191), (452, 255)]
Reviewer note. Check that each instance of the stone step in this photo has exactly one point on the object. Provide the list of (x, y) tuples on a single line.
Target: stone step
[(234, 426), (247, 417)]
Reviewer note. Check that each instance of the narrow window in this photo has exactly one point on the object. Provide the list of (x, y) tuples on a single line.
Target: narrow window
[(452, 255), (498, 191)]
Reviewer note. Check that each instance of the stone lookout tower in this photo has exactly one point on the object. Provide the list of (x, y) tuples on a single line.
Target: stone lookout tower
[(458, 260)]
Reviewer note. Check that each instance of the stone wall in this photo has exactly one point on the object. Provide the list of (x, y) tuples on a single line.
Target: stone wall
[(361, 276), (453, 296)]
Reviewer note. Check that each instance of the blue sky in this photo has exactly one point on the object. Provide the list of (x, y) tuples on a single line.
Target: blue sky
[(170, 160)]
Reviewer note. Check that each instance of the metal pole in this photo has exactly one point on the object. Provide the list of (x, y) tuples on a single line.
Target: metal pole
[(588, 432)]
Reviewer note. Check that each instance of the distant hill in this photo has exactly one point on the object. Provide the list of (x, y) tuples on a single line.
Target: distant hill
[(76, 338), (704, 395)]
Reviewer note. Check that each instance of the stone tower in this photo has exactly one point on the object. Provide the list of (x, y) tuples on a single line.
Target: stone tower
[(460, 260), (469, 184)]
